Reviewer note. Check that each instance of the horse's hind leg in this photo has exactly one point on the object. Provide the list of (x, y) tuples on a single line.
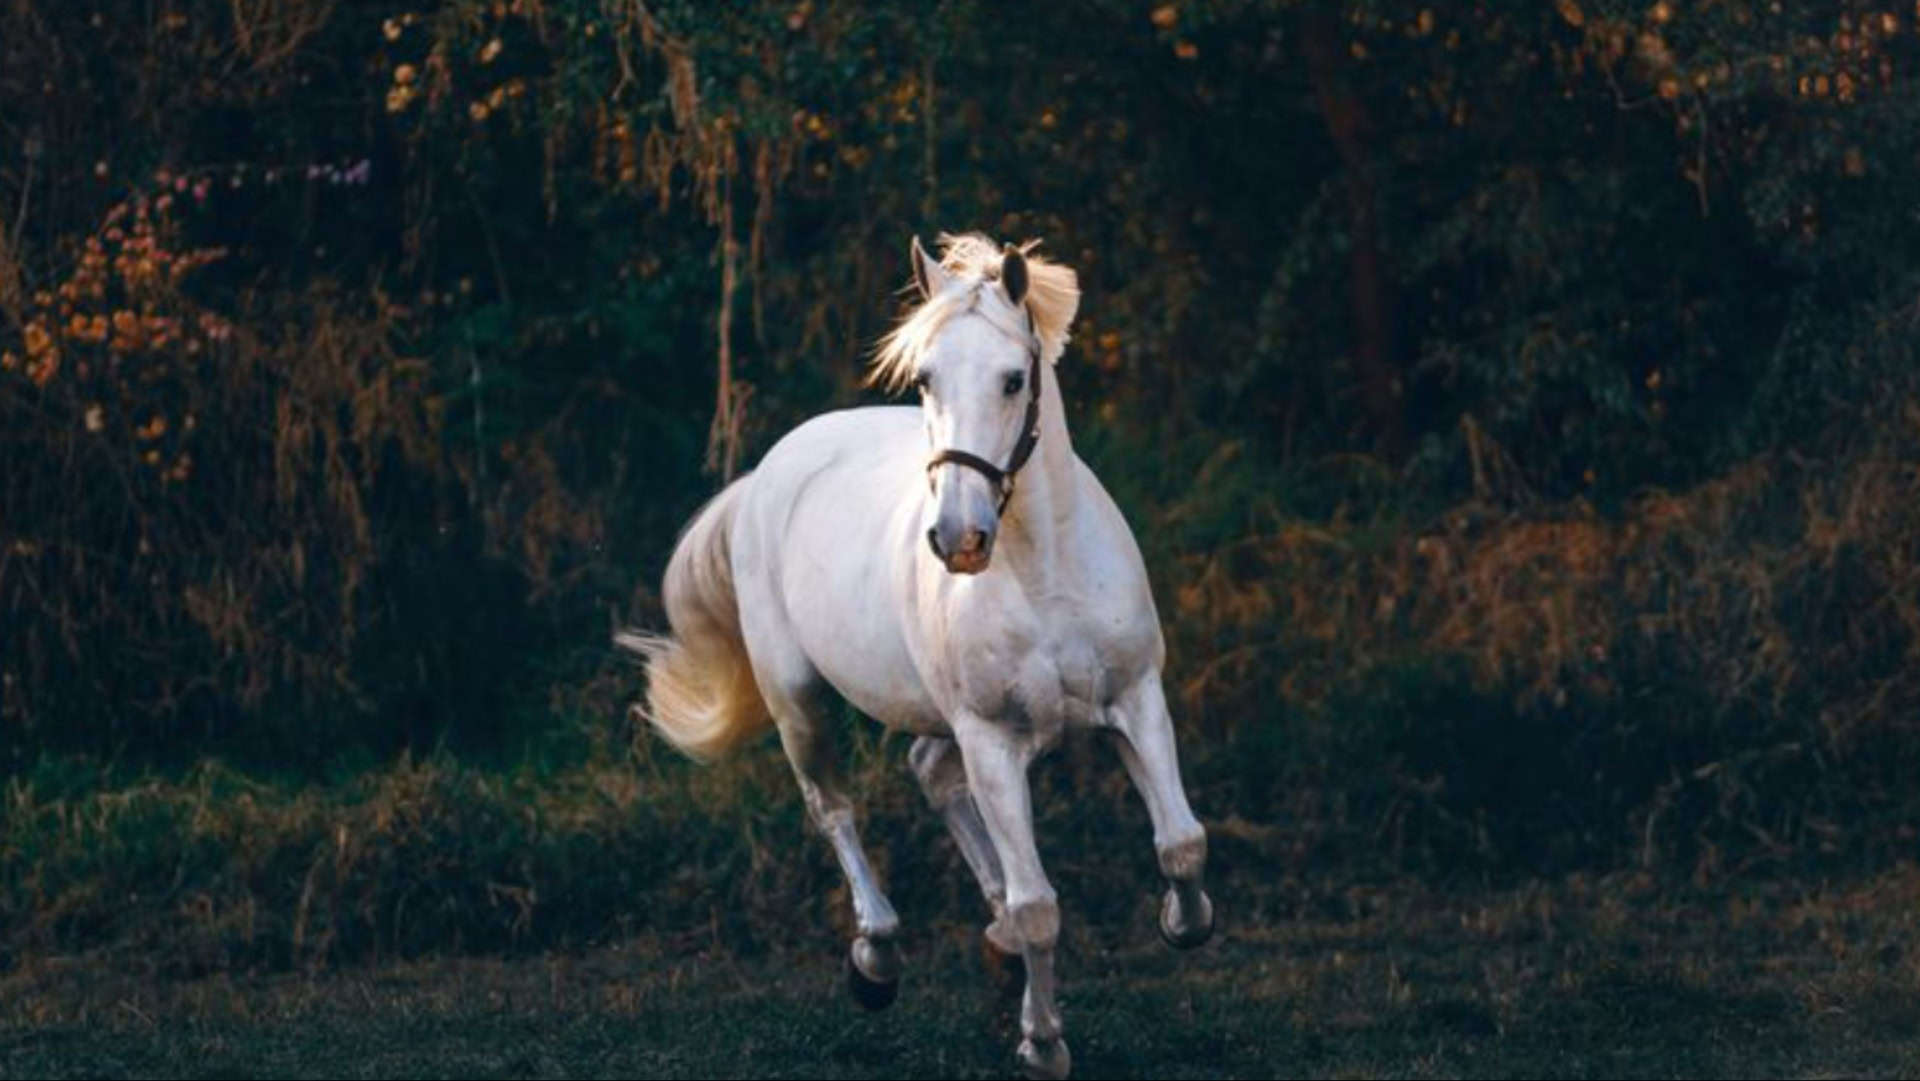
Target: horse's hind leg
[(1144, 739), (794, 690), (943, 778)]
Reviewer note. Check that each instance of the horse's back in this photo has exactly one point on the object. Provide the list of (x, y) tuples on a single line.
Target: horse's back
[(817, 547), (862, 429), (848, 469)]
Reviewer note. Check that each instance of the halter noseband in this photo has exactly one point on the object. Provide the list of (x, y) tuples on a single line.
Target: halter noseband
[(1002, 479)]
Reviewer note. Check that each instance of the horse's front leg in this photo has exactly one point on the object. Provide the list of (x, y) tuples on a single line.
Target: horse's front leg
[(996, 763), (1143, 736), (936, 764)]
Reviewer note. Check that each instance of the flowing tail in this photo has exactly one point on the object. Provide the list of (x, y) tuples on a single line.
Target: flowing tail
[(700, 690)]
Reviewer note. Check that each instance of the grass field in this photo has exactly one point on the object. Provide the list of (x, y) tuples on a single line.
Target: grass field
[(1579, 977)]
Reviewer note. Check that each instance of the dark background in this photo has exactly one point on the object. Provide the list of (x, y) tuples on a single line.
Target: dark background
[(1515, 403)]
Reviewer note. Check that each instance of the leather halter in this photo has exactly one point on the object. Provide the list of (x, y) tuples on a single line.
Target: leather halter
[(1002, 479)]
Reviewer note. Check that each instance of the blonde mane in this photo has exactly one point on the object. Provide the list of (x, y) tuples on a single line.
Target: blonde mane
[(1053, 295)]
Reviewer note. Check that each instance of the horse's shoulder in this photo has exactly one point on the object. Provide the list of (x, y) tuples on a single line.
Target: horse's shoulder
[(1118, 595)]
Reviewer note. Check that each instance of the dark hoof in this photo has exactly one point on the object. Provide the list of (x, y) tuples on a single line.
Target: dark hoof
[(1007, 972), (871, 994), (1177, 929), (1048, 1061)]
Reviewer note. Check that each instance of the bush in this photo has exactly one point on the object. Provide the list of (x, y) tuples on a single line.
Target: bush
[(1513, 404)]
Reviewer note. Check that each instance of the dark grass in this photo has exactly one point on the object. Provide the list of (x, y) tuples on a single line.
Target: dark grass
[(1580, 977)]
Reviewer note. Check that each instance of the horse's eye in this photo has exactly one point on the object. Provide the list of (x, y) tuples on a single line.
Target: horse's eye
[(1014, 382), (921, 382)]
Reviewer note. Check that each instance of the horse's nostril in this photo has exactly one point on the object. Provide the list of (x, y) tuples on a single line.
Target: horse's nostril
[(933, 542)]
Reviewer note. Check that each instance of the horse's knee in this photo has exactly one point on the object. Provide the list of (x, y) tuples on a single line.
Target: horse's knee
[(925, 757), (935, 763), (1036, 920), (828, 809), (1184, 855)]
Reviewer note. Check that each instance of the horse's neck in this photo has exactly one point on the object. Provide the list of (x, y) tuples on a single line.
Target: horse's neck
[(1046, 494)]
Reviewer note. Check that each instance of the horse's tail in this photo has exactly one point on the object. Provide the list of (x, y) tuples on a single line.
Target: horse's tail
[(700, 690)]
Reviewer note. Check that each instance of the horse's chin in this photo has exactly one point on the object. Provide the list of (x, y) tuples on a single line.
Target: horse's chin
[(968, 562)]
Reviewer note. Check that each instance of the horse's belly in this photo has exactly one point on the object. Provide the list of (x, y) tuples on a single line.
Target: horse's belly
[(913, 713), (871, 669)]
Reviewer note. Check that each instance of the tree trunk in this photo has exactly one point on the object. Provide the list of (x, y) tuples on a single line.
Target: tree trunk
[(1370, 277)]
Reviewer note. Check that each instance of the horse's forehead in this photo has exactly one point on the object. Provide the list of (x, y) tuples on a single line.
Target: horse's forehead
[(980, 332)]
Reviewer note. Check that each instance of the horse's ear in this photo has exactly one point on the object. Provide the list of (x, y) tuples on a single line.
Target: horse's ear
[(928, 274), (1013, 274)]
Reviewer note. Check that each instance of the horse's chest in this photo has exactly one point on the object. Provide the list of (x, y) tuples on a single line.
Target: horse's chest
[(1081, 680), (1045, 677)]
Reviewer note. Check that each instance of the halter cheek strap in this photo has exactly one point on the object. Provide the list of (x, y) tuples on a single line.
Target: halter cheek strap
[(1002, 479)]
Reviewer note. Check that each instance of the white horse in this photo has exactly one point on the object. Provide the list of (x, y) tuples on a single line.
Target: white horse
[(884, 553)]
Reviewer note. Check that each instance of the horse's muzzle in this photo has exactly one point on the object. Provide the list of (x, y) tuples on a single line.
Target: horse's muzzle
[(963, 551)]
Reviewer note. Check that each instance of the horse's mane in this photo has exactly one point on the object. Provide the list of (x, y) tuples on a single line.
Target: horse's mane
[(1053, 295)]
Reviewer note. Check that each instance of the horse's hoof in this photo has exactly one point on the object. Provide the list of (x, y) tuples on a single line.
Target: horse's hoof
[(1048, 1061), (873, 973), (1183, 930), (1006, 971)]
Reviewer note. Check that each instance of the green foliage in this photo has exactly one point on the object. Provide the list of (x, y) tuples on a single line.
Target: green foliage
[(1514, 403)]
